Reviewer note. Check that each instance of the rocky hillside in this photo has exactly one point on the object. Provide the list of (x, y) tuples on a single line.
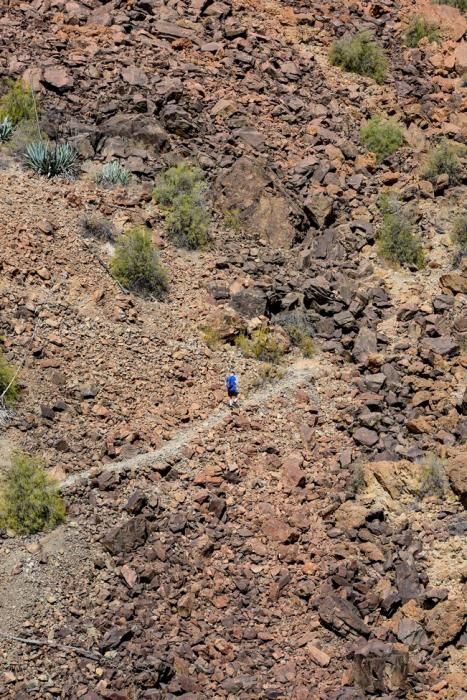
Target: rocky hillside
[(311, 543)]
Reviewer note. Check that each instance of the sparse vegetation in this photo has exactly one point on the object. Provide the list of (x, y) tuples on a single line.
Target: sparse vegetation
[(96, 226), (181, 179), (397, 242), (460, 4), (232, 220), (6, 129), (211, 337), (459, 233), (8, 382), (266, 373), (29, 497), (52, 160), (420, 28), (360, 54), (18, 102), (187, 222), (445, 160), (24, 134), (382, 136), (113, 173), (260, 345), (136, 265), (302, 340), (357, 480), (432, 477)]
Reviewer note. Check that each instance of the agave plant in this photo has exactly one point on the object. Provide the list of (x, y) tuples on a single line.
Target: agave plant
[(113, 173), (6, 129), (52, 160)]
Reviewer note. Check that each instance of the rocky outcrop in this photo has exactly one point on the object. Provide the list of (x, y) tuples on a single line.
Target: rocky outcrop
[(253, 193)]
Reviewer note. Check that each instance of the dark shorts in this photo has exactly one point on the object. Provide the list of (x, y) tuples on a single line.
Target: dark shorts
[(232, 394)]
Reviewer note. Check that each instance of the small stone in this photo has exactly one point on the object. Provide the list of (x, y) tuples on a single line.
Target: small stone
[(317, 655), (365, 436)]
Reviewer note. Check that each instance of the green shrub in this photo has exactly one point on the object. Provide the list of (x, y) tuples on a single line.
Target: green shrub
[(95, 226), (360, 54), (382, 136), (29, 497), (459, 233), (135, 263), (302, 340), (6, 129), (260, 345), (181, 191), (444, 160), (420, 28), (113, 173), (8, 381), (181, 179), (460, 4), (187, 222), (432, 477), (396, 241), (52, 160), (18, 102)]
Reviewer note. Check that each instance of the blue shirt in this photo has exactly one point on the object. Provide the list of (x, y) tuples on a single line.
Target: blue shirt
[(231, 382)]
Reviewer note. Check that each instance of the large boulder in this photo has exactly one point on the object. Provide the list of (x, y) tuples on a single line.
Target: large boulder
[(445, 622), (319, 209), (139, 127), (455, 282), (351, 515), (444, 345), (57, 79), (365, 344), (262, 208), (392, 480), (250, 302)]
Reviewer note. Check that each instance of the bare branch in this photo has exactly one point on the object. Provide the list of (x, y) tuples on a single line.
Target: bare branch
[(61, 647)]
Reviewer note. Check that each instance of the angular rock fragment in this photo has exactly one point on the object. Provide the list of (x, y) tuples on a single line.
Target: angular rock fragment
[(381, 668), (342, 617), (126, 537)]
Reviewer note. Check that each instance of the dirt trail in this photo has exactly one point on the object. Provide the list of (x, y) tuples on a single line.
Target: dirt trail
[(301, 371), (18, 601)]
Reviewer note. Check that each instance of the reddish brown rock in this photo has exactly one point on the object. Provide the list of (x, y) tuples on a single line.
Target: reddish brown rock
[(381, 668), (456, 469), (57, 78), (293, 472)]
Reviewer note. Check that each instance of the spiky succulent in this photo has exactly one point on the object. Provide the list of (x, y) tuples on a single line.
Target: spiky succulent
[(6, 129), (52, 160), (113, 173)]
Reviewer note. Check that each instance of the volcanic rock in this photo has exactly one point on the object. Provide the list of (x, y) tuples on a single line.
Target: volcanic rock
[(126, 537)]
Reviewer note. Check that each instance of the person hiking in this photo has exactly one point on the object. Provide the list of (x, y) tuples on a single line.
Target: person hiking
[(232, 388)]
